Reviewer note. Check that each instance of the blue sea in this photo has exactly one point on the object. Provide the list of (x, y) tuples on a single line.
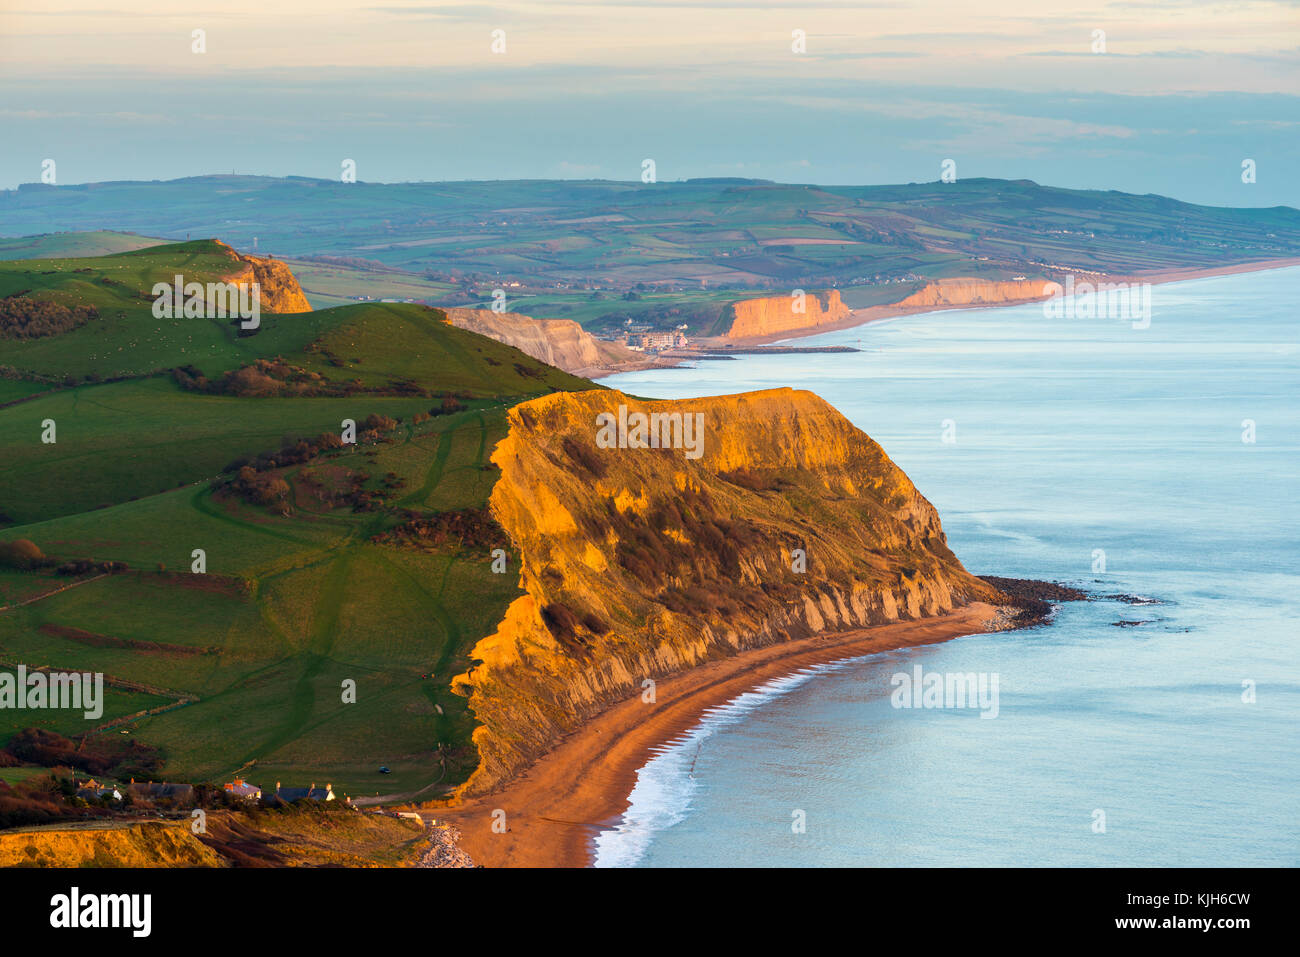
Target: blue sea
[(1085, 451)]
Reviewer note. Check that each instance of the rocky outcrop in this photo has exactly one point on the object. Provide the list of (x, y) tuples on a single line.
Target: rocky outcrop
[(776, 314), (280, 291), (558, 342), (974, 292), (785, 521)]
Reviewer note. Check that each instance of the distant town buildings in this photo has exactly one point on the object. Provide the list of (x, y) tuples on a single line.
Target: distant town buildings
[(168, 794), (161, 791), (656, 341), (93, 790)]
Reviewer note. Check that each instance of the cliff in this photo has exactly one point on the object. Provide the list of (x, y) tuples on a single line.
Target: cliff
[(149, 844), (303, 838), (640, 562), (558, 342), (974, 292), (280, 291), (764, 317)]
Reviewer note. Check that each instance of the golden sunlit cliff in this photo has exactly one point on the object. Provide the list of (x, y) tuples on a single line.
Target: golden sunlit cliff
[(280, 291), (974, 292), (558, 342), (149, 844), (774, 314), (640, 562)]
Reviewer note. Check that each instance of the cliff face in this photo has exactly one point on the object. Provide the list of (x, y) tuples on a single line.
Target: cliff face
[(975, 292), (763, 317), (639, 562), (280, 291), (149, 844), (558, 342)]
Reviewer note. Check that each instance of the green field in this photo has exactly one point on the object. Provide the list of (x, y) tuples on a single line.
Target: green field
[(71, 245), (17, 775), (334, 284), (252, 655)]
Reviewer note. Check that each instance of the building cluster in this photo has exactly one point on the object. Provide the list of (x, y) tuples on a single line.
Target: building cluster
[(178, 794), (650, 341), (138, 790)]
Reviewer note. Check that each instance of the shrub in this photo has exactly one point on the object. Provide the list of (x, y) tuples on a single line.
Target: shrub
[(24, 318), (473, 528), (22, 554), (83, 566), (98, 756)]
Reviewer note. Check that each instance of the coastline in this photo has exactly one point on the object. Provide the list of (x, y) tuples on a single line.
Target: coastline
[(555, 808), (861, 317)]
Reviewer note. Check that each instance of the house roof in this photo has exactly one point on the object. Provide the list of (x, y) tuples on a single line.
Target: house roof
[(312, 793)]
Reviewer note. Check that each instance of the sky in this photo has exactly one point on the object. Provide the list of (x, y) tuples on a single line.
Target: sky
[(1169, 97)]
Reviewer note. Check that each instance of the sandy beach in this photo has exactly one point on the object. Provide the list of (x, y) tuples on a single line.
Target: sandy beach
[(554, 809), (861, 317)]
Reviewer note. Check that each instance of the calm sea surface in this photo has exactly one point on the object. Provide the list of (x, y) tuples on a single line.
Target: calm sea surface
[(1073, 438)]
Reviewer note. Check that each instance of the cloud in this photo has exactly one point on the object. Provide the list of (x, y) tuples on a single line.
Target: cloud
[(747, 5), (1159, 54), (465, 12)]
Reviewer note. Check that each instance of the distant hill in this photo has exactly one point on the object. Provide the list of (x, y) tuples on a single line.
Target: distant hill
[(547, 243), (74, 245)]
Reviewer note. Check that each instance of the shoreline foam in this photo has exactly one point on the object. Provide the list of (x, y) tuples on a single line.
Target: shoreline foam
[(658, 792)]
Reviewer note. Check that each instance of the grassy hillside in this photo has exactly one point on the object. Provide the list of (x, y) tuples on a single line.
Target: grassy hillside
[(401, 340), (122, 280), (313, 575)]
